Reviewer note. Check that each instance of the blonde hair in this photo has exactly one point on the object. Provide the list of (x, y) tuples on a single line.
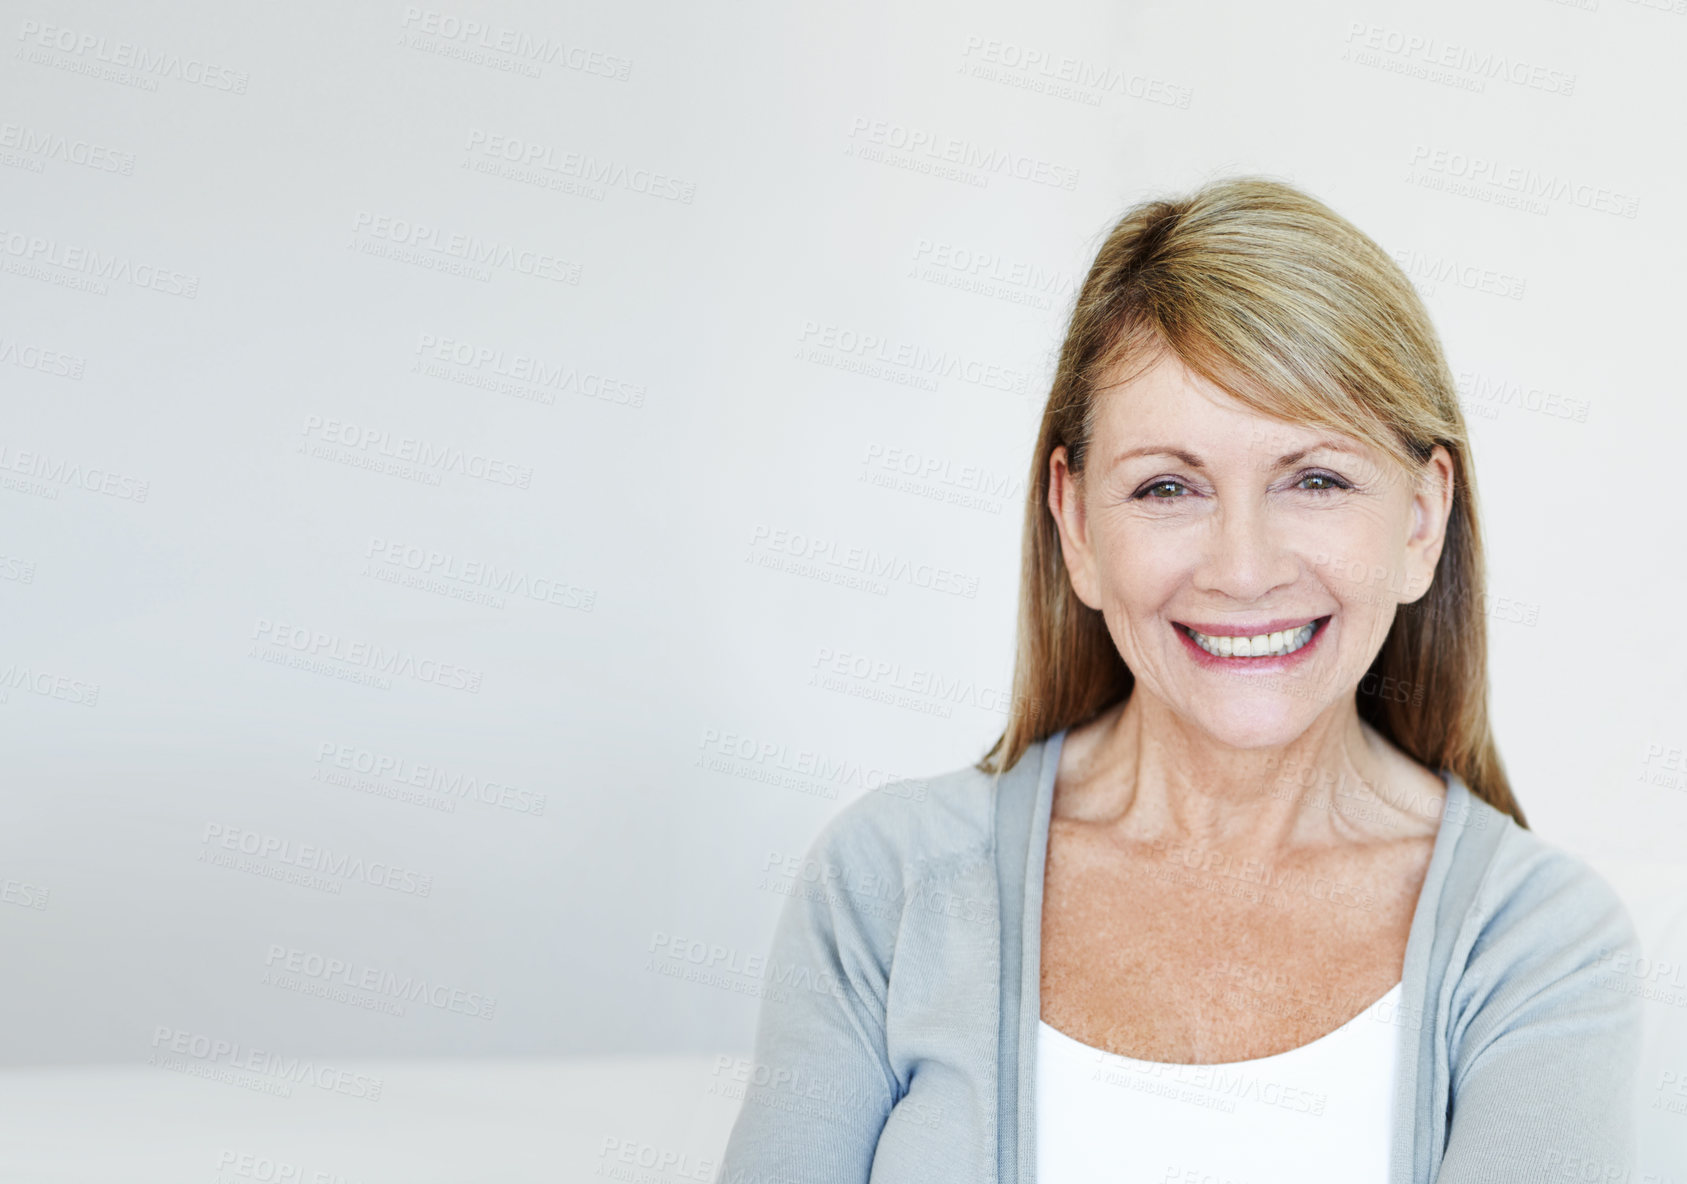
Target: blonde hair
[(1289, 308)]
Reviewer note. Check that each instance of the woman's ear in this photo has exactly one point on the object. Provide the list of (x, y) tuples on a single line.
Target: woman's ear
[(1066, 503), (1432, 504)]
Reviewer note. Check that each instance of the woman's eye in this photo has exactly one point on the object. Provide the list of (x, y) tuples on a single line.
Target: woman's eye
[(1328, 483), (1148, 491)]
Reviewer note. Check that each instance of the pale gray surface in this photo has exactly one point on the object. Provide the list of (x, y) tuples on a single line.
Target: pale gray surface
[(437, 1122)]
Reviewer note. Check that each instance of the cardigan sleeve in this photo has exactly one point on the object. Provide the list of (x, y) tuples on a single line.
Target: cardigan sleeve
[(820, 1087), (1545, 1030)]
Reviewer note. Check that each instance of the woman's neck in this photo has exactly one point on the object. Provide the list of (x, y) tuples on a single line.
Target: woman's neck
[(1141, 769)]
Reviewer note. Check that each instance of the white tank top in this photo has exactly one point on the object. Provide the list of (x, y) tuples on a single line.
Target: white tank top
[(1317, 1114)]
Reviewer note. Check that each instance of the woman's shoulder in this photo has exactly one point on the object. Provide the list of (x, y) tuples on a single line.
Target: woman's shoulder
[(1540, 975), (914, 823), (1541, 910)]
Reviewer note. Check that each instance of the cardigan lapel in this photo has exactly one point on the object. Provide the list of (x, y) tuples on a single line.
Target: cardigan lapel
[(1469, 833), (1024, 801)]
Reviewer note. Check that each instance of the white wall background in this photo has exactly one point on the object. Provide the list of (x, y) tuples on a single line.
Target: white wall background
[(259, 258)]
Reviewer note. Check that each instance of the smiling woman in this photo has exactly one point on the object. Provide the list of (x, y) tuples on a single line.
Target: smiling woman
[(1262, 904)]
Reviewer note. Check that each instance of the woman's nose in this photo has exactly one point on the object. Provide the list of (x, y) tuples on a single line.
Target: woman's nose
[(1244, 554)]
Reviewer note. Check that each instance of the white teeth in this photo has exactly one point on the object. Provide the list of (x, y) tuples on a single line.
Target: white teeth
[(1261, 646)]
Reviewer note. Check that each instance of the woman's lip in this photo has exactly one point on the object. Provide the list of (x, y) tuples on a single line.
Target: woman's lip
[(1256, 666), (1244, 629)]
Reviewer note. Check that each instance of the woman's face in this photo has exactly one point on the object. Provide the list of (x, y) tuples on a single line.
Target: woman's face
[(1196, 513)]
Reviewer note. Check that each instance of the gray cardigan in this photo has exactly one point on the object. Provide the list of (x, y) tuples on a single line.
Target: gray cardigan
[(897, 1035)]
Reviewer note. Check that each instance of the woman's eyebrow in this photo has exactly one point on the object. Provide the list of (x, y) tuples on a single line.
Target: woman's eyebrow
[(1195, 462), (1188, 458), (1290, 458)]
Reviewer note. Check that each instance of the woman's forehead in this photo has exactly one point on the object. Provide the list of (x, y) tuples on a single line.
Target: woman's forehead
[(1167, 391)]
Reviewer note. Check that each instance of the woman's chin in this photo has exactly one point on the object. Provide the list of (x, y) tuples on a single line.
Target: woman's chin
[(1254, 725)]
